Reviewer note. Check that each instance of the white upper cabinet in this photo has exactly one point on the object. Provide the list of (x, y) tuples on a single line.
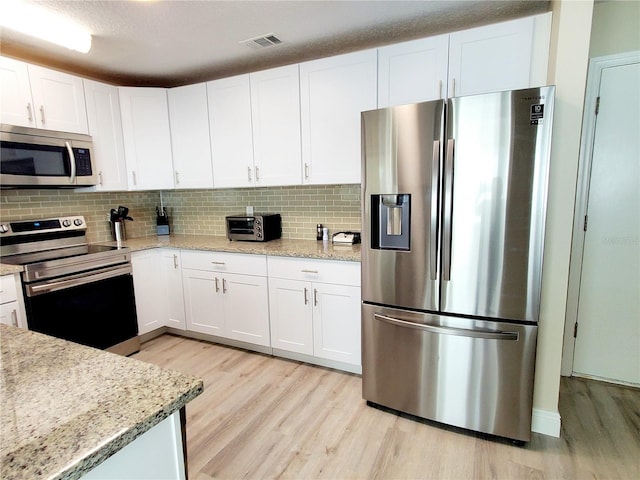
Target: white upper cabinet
[(412, 72), (334, 91), (38, 97), (16, 104), (503, 56), (189, 119), (275, 112), (147, 137), (105, 127), (231, 134)]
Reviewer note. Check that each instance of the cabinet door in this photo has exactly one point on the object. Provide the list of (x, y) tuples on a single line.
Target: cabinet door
[(172, 289), (189, 119), (491, 58), (412, 72), (334, 91), (230, 131), (16, 104), (105, 127), (59, 100), (291, 318), (150, 306), (203, 301), (275, 107), (10, 314), (246, 308), (147, 138), (336, 322)]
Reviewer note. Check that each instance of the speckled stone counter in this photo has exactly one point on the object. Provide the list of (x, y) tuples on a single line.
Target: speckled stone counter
[(281, 247), (66, 408), (6, 269)]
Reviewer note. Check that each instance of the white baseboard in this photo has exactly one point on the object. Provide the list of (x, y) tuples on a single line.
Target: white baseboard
[(546, 422)]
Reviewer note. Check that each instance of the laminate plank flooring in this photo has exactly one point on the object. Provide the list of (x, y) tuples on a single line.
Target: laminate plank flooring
[(262, 417)]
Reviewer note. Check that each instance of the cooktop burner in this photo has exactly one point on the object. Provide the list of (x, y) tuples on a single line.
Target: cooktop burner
[(58, 254)]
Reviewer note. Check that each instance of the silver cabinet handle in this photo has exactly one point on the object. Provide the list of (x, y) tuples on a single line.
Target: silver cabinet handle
[(257, 173), (306, 170), (224, 286), (218, 263), (306, 296), (100, 178), (175, 261), (133, 176), (42, 113), (440, 89), (309, 271), (72, 161), (249, 173), (177, 177), (448, 211), (462, 332), (217, 287), (433, 242), (14, 317), (453, 87), (315, 297), (30, 112)]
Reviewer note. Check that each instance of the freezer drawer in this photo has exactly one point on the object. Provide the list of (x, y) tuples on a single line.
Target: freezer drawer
[(468, 373)]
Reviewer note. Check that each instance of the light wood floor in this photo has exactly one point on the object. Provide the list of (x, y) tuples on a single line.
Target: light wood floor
[(265, 417)]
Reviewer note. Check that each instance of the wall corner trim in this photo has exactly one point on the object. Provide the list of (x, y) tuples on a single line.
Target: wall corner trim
[(546, 422)]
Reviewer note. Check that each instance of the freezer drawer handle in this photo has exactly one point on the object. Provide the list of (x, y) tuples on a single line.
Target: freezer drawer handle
[(463, 332)]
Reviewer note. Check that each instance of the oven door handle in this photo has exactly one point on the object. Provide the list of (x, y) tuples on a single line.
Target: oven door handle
[(77, 280)]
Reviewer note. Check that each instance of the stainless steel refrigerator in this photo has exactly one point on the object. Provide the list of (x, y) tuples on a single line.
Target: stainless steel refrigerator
[(453, 204)]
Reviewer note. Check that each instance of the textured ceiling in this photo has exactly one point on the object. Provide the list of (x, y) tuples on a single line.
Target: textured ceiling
[(176, 42)]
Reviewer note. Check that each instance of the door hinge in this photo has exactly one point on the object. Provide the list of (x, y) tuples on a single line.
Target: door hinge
[(586, 221), (575, 330), (597, 105)]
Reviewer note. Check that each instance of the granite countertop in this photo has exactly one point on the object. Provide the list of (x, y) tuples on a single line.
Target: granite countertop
[(65, 408), (282, 247), (6, 269)]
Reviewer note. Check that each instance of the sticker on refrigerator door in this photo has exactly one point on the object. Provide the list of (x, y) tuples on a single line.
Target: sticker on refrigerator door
[(536, 116)]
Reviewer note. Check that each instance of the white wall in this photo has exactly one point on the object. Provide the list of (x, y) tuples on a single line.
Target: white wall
[(616, 28), (568, 63)]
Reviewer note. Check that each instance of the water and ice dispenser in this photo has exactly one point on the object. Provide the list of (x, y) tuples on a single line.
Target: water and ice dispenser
[(391, 221)]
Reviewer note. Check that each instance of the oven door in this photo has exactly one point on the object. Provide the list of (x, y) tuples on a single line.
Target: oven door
[(94, 308)]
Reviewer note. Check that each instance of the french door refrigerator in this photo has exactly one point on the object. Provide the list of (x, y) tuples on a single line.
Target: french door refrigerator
[(453, 203)]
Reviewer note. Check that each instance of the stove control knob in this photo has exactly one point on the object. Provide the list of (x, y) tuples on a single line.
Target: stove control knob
[(77, 222), (4, 229), (66, 223)]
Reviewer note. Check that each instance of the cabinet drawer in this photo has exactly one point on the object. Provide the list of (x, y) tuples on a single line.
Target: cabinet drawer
[(225, 262), (8, 290), (313, 270)]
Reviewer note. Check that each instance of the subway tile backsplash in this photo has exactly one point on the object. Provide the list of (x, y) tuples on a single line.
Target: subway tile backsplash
[(198, 212)]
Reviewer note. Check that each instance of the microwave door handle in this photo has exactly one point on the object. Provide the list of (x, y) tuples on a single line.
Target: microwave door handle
[(72, 160)]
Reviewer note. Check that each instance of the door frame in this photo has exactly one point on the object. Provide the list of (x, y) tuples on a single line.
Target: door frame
[(596, 66)]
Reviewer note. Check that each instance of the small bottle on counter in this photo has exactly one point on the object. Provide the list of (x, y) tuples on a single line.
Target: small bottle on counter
[(319, 232), (325, 234)]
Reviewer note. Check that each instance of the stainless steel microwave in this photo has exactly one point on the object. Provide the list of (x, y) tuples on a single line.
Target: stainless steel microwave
[(31, 157), (254, 228)]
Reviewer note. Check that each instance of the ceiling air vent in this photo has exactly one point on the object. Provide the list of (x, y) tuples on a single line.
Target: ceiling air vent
[(263, 41)]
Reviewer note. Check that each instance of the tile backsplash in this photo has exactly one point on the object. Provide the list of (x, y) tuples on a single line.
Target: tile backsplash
[(198, 212)]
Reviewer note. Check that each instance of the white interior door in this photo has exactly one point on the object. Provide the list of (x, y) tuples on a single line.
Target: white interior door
[(608, 340)]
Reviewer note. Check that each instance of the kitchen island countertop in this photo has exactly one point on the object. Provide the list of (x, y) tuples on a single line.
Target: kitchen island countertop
[(66, 408), (282, 247)]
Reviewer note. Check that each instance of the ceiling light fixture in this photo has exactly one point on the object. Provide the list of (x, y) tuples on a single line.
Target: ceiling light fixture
[(40, 23)]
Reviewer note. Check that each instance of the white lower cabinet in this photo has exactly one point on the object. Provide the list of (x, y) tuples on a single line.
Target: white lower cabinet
[(172, 292), (11, 302), (314, 308), (226, 295), (147, 272)]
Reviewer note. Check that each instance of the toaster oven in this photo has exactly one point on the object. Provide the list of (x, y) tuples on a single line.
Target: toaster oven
[(254, 228)]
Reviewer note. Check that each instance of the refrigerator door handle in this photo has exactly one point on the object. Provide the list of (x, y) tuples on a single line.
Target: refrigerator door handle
[(462, 332), (448, 210), (433, 242)]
